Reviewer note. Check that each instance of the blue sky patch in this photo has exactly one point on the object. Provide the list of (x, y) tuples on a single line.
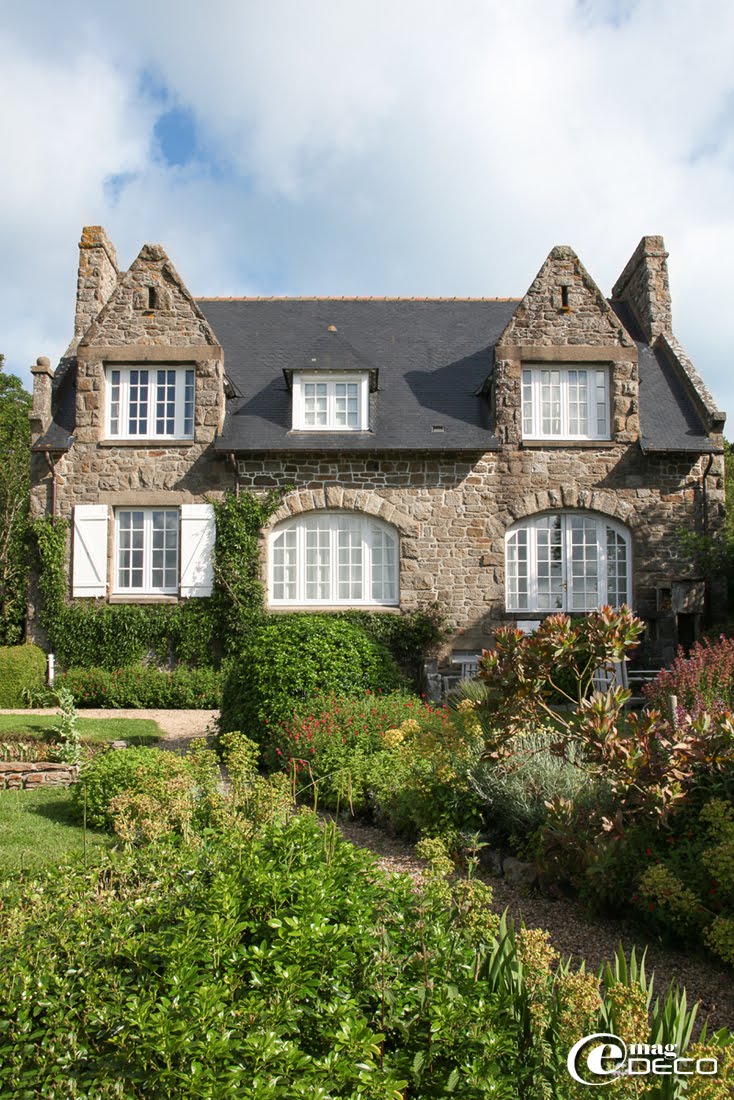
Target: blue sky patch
[(175, 136)]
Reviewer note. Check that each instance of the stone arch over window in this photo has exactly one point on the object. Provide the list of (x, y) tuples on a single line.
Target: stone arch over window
[(567, 560), (336, 558)]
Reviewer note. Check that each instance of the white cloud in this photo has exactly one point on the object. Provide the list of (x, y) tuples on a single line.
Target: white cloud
[(412, 148)]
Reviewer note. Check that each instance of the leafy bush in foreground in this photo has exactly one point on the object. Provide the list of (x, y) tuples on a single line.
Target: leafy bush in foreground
[(287, 661), (109, 774), (281, 965), (703, 681)]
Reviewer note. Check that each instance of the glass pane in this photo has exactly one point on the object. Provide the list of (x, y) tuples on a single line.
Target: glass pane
[(517, 569), (584, 565), (549, 553), (315, 404), (349, 559), (346, 404), (527, 403), (188, 426), (617, 593), (285, 570), (165, 417), (138, 405), (164, 550), (602, 419), (578, 402), (318, 558), (550, 402), (130, 541), (115, 402), (384, 565)]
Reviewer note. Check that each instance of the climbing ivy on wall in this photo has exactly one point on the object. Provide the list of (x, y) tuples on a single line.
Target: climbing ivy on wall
[(86, 633)]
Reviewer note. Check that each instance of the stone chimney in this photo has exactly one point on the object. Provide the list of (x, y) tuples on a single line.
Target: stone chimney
[(98, 273), (643, 286), (40, 414)]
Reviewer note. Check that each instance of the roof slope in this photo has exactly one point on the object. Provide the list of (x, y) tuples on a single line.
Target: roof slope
[(432, 357), (669, 420)]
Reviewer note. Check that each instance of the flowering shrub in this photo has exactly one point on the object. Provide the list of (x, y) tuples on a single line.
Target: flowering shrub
[(704, 681), (144, 686)]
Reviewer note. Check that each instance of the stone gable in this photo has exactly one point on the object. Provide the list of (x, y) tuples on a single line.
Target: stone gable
[(150, 307)]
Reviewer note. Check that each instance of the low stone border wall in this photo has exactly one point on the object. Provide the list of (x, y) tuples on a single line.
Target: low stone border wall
[(37, 774)]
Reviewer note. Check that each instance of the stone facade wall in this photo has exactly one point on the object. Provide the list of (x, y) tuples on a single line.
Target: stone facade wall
[(29, 775), (453, 513)]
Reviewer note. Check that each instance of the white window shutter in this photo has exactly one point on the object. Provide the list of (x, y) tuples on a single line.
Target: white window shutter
[(89, 551), (197, 549)]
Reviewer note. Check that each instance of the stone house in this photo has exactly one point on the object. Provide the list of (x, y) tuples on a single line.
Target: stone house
[(505, 458)]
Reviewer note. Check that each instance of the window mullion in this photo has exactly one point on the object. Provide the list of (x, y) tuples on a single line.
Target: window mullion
[(566, 572), (124, 403), (147, 550), (601, 549), (366, 563), (333, 561), (178, 403), (533, 565), (564, 392)]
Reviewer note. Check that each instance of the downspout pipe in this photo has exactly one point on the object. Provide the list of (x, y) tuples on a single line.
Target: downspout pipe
[(235, 470)]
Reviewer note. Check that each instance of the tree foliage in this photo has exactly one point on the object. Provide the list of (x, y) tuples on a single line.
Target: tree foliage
[(15, 404)]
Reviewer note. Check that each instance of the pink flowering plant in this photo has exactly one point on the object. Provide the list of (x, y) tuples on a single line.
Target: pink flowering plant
[(701, 682)]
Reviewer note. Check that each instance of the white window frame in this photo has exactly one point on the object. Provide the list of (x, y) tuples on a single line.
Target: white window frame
[(147, 588), (183, 375), (533, 380), (330, 379), (300, 524), (531, 526)]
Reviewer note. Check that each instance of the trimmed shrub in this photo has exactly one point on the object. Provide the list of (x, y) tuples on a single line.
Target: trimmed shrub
[(22, 667), (144, 686), (110, 773), (288, 661)]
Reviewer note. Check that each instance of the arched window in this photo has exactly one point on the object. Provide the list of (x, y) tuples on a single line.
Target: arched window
[(567, 561), (333, 558)]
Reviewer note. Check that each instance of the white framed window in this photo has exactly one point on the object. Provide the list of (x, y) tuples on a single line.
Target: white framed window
[(150, 402), (333, 558), (146, 551), (324, 401), (567, 561), (565, 402)]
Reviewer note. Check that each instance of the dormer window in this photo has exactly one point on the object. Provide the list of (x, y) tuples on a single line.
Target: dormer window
[(324, 401), (150, 403), (565, 402)]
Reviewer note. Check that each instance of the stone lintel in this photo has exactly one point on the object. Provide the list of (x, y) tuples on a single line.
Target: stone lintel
[(147, 498), (567, 353), (135, 353)]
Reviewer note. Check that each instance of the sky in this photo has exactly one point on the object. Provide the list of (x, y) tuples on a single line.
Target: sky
[(389, 147)]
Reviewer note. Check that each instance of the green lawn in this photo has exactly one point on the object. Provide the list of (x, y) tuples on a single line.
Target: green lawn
[(38, 831), (31, 727)]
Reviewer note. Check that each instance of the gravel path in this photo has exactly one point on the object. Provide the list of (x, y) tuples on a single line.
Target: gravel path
[(179, 726), (590, 939)]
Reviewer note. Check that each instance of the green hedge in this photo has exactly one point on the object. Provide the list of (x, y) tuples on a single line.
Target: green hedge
[(21, 666), (290, 659), (143, 686)]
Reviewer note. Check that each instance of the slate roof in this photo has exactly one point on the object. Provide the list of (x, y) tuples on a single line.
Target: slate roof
[(432, 357), (669, 420), (429, 357)]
